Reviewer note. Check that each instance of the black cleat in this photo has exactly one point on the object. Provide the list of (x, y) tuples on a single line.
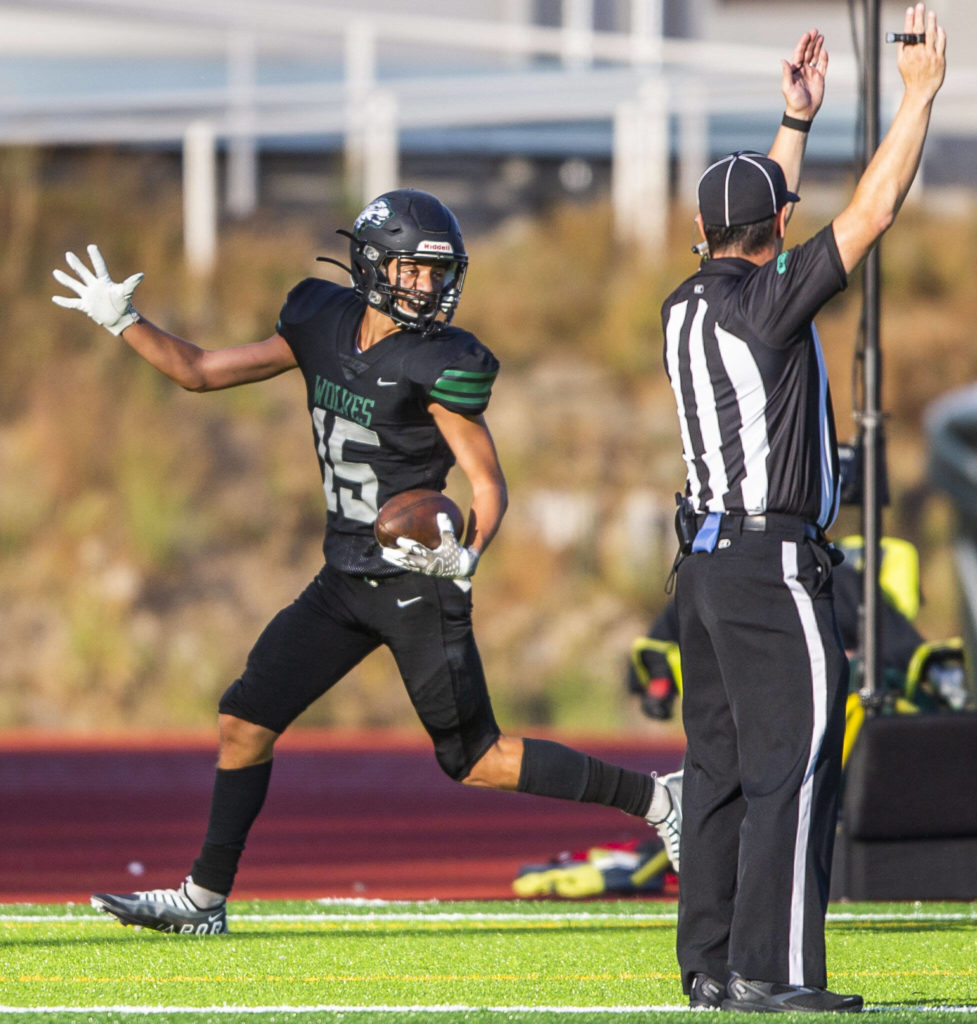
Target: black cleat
[(164, 910), (774, 997), (706, 993)]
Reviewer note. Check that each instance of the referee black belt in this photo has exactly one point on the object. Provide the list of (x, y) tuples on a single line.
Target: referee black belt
[(763, 523)]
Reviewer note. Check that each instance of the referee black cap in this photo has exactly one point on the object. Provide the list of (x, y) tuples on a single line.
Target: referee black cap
[(742, 188)]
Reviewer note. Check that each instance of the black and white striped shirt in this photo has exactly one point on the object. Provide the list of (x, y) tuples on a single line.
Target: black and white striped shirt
[(748, 375)]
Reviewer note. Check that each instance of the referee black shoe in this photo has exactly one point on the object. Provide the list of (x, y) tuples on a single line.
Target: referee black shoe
[(164, 910), (706, 993), (773, 997)]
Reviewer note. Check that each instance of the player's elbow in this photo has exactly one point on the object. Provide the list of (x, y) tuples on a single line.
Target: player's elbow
[(501, 504), (503, 498), (491, 491), (195, 374), (190, 372), (197, 384)]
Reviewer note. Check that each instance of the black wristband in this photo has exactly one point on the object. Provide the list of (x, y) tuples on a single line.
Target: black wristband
[(796, 123)]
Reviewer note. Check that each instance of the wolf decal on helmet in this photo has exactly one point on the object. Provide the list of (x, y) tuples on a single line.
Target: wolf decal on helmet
[(375, 214)]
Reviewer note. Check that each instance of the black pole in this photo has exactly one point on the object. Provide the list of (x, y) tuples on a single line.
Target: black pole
[(871, 415)]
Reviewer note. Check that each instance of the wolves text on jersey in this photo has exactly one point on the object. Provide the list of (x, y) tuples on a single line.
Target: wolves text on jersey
[(335, 398)]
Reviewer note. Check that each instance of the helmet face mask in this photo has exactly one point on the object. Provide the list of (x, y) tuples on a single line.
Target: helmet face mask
[(420, 306), (396, 234)]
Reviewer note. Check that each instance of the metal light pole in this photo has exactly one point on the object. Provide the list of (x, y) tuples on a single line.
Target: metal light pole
[(872, 450)]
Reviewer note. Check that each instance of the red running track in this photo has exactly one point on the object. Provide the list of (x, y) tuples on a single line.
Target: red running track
[(368, 816)]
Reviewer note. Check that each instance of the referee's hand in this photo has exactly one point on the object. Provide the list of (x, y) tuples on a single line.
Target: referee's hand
[(802, 77), (923, 67)]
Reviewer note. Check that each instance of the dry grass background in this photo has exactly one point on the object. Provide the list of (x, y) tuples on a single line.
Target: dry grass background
[(147, 534)]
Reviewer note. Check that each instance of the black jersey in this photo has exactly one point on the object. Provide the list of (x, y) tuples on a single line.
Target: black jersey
[(373, 433), (748, 375)]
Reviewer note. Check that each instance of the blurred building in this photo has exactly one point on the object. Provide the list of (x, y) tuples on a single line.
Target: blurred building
[(504, 104)]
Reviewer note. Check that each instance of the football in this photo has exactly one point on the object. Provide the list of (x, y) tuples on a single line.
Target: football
[(413, 514)]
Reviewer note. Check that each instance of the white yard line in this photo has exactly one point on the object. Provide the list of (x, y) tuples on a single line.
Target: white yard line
[(454, 916), (522, 1011), (336, 1008)]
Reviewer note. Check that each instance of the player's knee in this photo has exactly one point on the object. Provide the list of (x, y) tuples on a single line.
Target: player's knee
[(459, 764), (498, 767), (457, 773), (244, 743), (455, 766)]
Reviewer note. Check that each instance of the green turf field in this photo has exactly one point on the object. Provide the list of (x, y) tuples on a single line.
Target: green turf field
[(445, 962)]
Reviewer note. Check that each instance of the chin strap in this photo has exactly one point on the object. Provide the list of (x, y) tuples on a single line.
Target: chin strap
[(329, 259)]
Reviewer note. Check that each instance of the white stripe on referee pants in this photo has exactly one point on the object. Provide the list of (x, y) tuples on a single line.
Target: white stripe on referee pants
[(819, 699)]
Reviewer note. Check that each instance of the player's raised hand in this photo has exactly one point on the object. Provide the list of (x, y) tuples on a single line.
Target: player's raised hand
[(923, 65), (107, 302), (449, 560), (802, 78)]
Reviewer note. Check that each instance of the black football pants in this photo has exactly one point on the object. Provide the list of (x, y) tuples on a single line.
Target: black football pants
[(338, 620), (765, 679)]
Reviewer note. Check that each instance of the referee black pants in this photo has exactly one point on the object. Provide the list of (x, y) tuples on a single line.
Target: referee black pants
[(765, 679)]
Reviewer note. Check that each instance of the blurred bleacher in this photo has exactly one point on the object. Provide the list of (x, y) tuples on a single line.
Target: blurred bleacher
[(630, 97)]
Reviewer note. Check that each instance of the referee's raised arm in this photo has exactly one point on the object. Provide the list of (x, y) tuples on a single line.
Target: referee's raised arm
[(802, 85), (883, 186)]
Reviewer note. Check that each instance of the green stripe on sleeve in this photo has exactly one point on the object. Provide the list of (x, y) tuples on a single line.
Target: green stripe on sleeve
[(445, 396), (463, 387), (469, 375)]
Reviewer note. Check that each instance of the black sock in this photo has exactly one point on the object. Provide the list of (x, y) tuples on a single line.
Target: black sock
[(612, 786), (551, 769), (237, 798)]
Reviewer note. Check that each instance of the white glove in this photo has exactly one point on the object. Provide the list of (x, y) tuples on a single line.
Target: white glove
[(99, 297), (449, 560)]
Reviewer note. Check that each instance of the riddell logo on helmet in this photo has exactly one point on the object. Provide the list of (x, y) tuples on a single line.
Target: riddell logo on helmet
[(430, 246)]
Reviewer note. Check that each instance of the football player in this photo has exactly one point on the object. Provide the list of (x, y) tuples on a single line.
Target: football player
[(396, 395)]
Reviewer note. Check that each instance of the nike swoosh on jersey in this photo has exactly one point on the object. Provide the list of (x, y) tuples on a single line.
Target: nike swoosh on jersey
[(386, 383), (410, 600)]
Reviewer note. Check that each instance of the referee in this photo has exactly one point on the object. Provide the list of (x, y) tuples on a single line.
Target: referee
[(764, 669)]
